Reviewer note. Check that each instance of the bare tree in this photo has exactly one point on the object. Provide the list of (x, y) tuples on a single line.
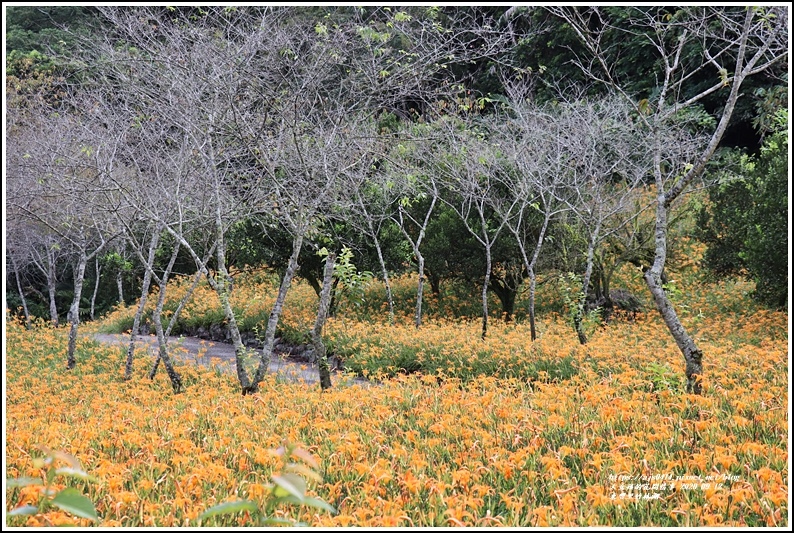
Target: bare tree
[(315, 139), (45, 250), (61, 187), (274, 107), (18, 257), (729, 43), (38, 247), (607, 167), (178, 101), (532, 139), (415, 228), (47, 253), (373, 207), (465, 158)]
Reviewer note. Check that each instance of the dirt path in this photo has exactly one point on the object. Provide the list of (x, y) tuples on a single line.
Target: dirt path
[(202, 352)]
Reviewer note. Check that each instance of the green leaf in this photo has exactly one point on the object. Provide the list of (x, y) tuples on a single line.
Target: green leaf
[(402, 16), (24, 510), (75, 472), (290, 484), (274, 521), (289, 498), (303, 470), (229, 508), (319, 504), (22, 482), (71, 501)]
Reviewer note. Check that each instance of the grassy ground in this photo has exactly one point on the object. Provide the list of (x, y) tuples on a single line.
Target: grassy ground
[(502, 432)]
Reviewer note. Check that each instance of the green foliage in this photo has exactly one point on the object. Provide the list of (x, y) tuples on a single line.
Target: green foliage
[(574, 302), (382, 357), (662, 377), (68, 499), (115, 261), (746, 224), (39, 28), (353, 282), (289, 487), (769, 100)]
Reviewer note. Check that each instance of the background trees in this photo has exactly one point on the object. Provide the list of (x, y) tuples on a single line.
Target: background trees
[(745, 222), (213, 137), (734, 44)]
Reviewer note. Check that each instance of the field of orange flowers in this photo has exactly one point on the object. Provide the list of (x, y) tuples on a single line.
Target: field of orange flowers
[(493, 433)]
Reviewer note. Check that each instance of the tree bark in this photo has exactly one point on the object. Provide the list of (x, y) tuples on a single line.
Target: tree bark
[(21, 292), (175, 318), (74, 310), (588, 272), (136, 321), (530, 266), (419, 288), (162, 339), (415, 244), (384, 272), (275, 313), (693, 356), (322, 314), (120, 287), (96, 287), (533, 278), (223, 288), (51, 286), (485, 291)]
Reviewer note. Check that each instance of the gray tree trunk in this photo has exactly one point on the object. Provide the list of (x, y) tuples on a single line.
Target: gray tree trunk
[(420, 287), (175, 319), (74, 310), (136, 321), (51, 286), (384, 272), (21, 292), (532, 277), (693, 356), (162, 341), (120, 286), (485, 291), (275, 314), (322, 314), (588, 272), (96, 287), (415, 244), (223, 288)]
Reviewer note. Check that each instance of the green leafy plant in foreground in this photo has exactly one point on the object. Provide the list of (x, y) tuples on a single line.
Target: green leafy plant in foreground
[(69, 499), (289, 487), (662, 377)]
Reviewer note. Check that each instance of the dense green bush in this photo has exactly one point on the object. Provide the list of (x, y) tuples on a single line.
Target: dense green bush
[(746, 224)]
